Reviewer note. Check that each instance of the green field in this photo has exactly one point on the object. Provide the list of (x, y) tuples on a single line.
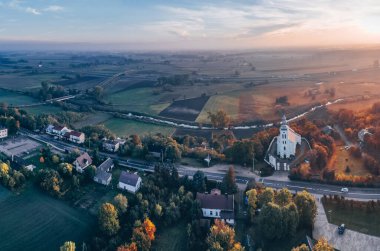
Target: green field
[(35, 221), (139, 100), (12, 98), (124, 127), (355, 219), (171, 239), (36, 110)]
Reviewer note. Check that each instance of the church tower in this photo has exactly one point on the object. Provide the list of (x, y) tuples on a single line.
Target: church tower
[(287, 140)]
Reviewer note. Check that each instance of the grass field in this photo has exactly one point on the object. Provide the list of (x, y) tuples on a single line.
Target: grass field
[(124, 127), (92, 119), (139, 100), (354, 219), (12, 98), (171, 239), (35, 221), (36, 110), (341, 159)]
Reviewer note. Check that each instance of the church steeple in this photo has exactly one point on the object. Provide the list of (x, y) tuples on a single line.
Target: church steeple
[(284, 122)]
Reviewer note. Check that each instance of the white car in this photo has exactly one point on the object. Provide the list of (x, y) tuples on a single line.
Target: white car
[(344, 190)]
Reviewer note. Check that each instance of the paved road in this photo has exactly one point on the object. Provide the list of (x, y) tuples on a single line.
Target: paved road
[(314, 188)]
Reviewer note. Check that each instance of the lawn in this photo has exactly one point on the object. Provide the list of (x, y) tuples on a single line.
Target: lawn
[(35, 221), (342, 158), (171, 239), (124, 127), (355, 219)]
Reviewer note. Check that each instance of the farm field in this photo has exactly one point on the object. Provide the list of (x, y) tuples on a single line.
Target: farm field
[(12, 98), (187, 109), (124, 127), (37, 110), (34, 221), (92, 119), (355, 219)]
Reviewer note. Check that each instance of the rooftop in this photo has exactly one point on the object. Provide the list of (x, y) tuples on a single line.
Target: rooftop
[(216, 201), (84, 160), (129, 178), (105, 165)]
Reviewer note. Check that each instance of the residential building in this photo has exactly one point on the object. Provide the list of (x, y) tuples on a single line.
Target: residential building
[(82, 162), (287, 140), (3, 132), (75, 137), (111, 145), (103, 175), (217, 206), (129, 181)]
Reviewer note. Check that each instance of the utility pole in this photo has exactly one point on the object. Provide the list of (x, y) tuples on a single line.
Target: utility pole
[(253, 162)]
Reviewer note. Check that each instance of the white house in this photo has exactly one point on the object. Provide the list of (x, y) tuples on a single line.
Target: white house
[(82, 162), (75, 137), (103, 175), (217, 206), (59, 130), (3, 132), (111, 145), (129, 181), (287, 140)]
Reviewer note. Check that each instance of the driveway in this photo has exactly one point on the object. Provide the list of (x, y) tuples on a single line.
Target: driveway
[(350, 240)]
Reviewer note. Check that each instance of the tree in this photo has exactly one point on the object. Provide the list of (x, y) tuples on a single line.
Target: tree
[(98, 92), (199, 181), (307, 208), (220, 119), (65, 169), (229, 182), (222, 237), (89, 172), (290, 219), (322, 245), (252, 201), (144, 235), (270, 221), (68, 246), (130, 247), (266, 196), (149, 228), (108, 220), (4, 169), (303, 247), (121, 203), (284, 197)]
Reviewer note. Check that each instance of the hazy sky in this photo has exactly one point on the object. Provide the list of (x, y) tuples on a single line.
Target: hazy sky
[(203, 24)]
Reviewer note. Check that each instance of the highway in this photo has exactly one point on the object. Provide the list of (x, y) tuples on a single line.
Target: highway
[(314, 188)]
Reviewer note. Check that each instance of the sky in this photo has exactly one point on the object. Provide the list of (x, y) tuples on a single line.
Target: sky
[(203, 24)]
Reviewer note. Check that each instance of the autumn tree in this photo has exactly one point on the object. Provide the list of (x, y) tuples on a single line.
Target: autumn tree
[(121, 203), (266, 196), (229, 182), (129, 247), (222, 238), (303, 247), (322, 245), (252, 202), (283, 197), (66, 169), (307, 208), (144, 235), (220, 119), (68, 246), (4, 169), (108, 220)]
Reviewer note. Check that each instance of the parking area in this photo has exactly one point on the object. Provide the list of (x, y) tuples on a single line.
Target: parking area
[(350, 240), (19, 146)]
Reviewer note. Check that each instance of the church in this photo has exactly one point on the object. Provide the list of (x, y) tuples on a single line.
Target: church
[(283, 147), (287, 140)]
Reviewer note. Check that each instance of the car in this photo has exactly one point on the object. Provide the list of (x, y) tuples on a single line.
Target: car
[(344, 190), (341, 229)]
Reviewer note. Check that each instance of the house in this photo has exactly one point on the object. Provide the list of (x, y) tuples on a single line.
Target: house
[(82, 162), (217, 206), (129, 181), (3, 132), (111, 145), (59, 130), (75, 137), (287, 140), (103, 175)]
